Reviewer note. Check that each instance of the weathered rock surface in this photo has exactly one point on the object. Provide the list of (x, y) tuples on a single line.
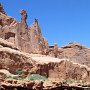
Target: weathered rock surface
[(22, 35), (61, 69), (4, 19), (53, 68), (1, 9), (21, 85), (4, 43), (75, 52), (12, 59), (23, 47)]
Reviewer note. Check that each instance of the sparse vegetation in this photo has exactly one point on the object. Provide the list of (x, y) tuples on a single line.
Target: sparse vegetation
[(4, 76), (69, 81), (19, 71), (29, 77), (13, 77), (17, 78), (36, 77), (81, 81)]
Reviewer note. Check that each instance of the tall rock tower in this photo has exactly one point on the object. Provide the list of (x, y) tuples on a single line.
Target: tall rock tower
[(22, 41), (1, 9), (38, 43)]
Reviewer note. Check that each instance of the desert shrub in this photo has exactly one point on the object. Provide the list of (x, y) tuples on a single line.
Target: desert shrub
[(19, 71), (82, 81), (13, 77), (36, 77), (69, 81), (7, 77), (4, 76), (17, 78)]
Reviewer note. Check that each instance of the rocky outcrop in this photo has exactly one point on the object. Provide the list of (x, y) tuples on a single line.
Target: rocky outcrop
[(4, 43), (23, 19), (12, 59), (1, 9), (61, 69), (38, 43), (75, 52), (23, 47), (39, 85), (22, 35), (21, 85), (56, 69), (4, 19), (53, 50), (7, 27)]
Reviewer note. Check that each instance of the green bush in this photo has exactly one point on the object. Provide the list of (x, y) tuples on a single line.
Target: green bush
[(8, 77), (19, 71), (69, 81), (14, 77), (4, 76), (36, 77), (17, 78)]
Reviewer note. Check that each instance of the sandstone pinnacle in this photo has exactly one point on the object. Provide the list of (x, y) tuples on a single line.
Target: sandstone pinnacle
[(1, 9)]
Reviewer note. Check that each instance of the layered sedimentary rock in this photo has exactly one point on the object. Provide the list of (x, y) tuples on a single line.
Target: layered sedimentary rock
[(61, 69), (23, 47), (11, 58), (55, 69), (21, 85), (75, 52), (4, 19)]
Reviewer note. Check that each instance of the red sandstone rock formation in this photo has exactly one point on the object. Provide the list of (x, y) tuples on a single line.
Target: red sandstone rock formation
[(27, 39), (4, 19), (1, 9), (23, 19), (21, 47), (61, 69), (75, 52), (38, 43)]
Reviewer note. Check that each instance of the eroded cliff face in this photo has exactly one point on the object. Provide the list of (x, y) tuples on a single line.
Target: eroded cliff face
[(55, 69), (4, 19), (27, 39), (61, 69), (23, 47), (38, 43), (75, 52), (1, 9), (12, 59)]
